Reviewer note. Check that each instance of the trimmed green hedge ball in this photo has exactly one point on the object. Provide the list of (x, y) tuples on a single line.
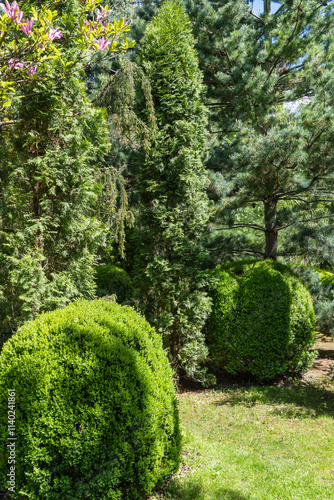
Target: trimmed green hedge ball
[(111, 280), (262, 321), (96, 415)]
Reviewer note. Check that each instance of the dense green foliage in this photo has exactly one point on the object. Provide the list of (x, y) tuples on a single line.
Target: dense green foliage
[(262, 320), (48, 40), (326, 277), (172, 182), (87, 142), (54, 178), (271, 167), (113, 280), (48, 236), (321, 287), (96, 413)]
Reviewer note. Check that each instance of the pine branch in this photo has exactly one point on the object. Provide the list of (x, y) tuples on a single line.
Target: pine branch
[(278, 10), (256, 227), (316, 138), (219, 249), (257, 17), (248, 251), (288, 194), (279, 57)]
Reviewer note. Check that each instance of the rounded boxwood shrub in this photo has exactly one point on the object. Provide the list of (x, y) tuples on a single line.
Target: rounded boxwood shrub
[(262, 320), (95, 409), (111, 280)]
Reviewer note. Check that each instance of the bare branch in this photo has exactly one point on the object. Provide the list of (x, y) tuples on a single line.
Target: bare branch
[(257, 17), (8, 122), (256, 227)]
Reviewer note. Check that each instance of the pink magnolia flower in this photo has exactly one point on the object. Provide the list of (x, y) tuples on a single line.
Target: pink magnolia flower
[(26, 28), (15, 64), (55, 33), (102, 43), (100, 16), (12, 11), (32, 70)]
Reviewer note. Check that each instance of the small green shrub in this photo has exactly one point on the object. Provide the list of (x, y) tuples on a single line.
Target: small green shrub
[(262, 321), (113, 280), (326, 277), (320, 284), (96, 414)]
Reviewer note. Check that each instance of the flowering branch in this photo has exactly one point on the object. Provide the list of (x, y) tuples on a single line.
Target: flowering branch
[(30, 49), (26, 28), (12, 11)]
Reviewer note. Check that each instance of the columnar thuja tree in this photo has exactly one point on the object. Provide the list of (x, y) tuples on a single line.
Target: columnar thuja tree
[(51, 151), (48, 237), (172, 183)]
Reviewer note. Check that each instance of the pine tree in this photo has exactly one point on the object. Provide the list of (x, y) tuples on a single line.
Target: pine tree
[(172, 183), (272, 162)]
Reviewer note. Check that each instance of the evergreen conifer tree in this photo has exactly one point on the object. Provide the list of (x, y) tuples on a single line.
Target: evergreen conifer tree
[(49, 235), (269, 94), (52, 154), (172, 183)]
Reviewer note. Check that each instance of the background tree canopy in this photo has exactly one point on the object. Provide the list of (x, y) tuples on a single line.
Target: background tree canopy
[(269, 96)]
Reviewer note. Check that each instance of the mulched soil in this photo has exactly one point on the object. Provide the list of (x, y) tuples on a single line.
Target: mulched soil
[(320, 369), (324, 364)]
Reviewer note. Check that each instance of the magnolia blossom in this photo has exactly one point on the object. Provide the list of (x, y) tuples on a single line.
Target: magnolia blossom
[(15, 64), (32, 70), (55, 33), (12, 11), (100, 16), (102, 43), (26, 28)]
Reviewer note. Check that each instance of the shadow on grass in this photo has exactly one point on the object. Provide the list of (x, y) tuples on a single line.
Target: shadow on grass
[(224, 494), (310, 400), (194, 491)]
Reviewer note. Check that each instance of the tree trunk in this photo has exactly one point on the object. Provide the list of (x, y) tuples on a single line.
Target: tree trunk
[(267, 6), (267, 10), (270, 220), (175, 347)]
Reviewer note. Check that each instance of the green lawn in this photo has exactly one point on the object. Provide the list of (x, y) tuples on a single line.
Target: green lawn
[(257, 443)]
